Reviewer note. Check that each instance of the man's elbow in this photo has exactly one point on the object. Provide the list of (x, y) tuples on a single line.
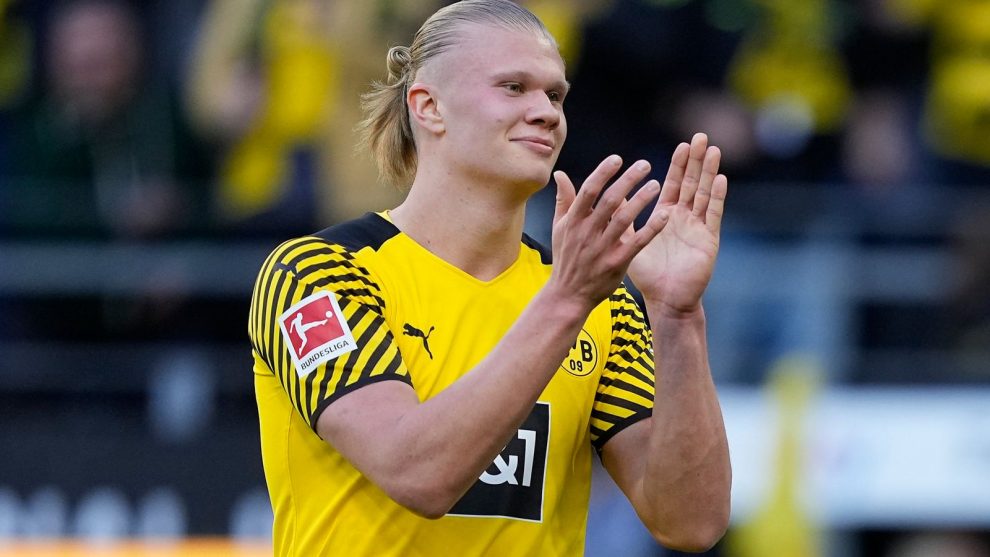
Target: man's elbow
[(693, 538), (428, 499), (425, 508)]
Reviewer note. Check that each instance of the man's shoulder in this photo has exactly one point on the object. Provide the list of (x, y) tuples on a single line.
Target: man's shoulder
[(332, 259), (332, 254), (370, 231)]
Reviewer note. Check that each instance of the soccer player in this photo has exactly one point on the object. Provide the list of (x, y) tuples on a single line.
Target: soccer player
[(450, 402)]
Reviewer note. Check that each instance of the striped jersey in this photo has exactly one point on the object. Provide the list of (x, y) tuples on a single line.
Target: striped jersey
[(362, 302)]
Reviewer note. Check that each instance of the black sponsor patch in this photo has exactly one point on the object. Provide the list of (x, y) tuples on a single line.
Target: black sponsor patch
[(512, 486)]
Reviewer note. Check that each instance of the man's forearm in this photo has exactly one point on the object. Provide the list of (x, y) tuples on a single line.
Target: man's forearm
[(687, 475), (496, 396), (425, 455)]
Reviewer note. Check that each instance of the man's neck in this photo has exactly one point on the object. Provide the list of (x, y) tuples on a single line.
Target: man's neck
[(475, 227)]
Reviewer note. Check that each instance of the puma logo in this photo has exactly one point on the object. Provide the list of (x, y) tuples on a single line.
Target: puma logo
[(411, 331)]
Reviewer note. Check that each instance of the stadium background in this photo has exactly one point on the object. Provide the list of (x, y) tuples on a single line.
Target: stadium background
[(151, 153)]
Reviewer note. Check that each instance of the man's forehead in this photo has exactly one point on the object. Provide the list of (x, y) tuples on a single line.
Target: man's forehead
[(490, 50)]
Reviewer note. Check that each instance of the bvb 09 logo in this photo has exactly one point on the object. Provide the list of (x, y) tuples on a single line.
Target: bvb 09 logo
[(583, 356)]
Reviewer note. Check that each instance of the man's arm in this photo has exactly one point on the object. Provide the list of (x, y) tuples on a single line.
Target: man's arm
[(426, 455), (674, 466)]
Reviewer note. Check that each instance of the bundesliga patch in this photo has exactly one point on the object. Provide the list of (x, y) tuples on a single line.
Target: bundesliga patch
[(316, 331)]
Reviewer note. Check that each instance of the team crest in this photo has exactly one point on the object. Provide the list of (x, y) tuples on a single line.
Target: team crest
[(315, 331), (583, 357)]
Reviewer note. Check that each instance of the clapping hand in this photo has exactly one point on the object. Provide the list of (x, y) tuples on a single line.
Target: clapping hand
[(674, 269)]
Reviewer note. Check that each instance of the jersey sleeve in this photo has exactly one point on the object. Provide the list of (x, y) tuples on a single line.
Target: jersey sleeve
[(625, 390), (308, 268)]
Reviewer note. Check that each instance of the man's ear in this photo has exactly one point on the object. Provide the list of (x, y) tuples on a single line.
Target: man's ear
[(424, 109)]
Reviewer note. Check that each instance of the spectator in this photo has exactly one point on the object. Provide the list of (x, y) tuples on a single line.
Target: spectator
[(270, 81), (958, 99), (15, 66), (101, 150)]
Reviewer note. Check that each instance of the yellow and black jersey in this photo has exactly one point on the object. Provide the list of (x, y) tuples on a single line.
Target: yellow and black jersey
[(362, 302)]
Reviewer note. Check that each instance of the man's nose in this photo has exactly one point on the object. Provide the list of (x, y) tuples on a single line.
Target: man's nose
[(543, 111)]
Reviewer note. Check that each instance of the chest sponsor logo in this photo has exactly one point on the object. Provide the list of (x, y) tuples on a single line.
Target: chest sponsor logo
[(316, 331), (513, 485), (583, 357)]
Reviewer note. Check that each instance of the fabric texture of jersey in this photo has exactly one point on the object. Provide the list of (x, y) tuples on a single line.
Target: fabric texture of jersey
[(417, 319)]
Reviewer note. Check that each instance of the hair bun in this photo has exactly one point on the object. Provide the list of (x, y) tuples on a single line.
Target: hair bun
[(399, 61)]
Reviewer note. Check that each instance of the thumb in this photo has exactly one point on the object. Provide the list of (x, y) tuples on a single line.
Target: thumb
[(565, 195)]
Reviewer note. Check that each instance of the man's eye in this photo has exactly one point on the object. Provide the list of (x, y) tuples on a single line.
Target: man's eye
[(513, 87), (555, 96)]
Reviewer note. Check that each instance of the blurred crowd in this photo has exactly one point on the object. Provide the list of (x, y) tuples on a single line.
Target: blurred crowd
[(233, 119), (150, 119)]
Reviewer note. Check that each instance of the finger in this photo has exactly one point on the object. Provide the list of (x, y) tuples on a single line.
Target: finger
[(624, 216), (713, 218), (615, 196), (656, 223), (708, 171), (692, 174), (565, 195), (593, 185), (628, 233), (675, 173)]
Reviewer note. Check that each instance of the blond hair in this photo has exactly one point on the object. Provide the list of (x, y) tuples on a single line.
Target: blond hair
[(386, 131)]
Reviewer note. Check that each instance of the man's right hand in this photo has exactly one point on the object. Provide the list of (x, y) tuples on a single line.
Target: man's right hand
[(593, 243)]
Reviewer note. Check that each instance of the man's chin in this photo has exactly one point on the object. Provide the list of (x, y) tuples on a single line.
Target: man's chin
[(539, 177), (529, 188), (535, 180)]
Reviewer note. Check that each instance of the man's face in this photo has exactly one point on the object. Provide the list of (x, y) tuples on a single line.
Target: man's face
[(500, 93), (95, 59)]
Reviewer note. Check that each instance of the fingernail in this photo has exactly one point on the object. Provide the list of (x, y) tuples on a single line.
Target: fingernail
[(615, 160), (642, 165)]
